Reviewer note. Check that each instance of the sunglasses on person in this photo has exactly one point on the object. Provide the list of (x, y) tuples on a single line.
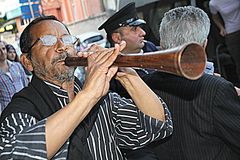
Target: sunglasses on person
[(50, 40)]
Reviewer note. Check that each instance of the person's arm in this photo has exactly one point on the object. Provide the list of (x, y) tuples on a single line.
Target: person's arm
[(220, 24), (145, 99), (133, 128), (214, 9)]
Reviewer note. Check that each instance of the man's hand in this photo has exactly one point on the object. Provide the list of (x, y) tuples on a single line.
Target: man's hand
[(100, 69), (223, 32), (237, 90), (125, 73)]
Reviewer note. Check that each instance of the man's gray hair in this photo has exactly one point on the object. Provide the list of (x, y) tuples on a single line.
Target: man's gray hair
[(182, 25)]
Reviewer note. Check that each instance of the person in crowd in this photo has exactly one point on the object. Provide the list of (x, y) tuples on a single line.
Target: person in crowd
[(11, 53), (226, 15), (126, 25), (206, 112), (12, 77), (12, 56), (57, 118)]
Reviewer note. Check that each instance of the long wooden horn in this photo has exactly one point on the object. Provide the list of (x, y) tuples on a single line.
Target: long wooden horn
[(188, 60)]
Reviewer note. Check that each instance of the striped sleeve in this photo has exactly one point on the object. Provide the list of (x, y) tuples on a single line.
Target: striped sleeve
[(134, 129), (22, 137)]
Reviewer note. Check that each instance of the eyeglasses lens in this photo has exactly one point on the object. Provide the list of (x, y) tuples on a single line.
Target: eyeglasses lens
[(68, 39), (50, 40)]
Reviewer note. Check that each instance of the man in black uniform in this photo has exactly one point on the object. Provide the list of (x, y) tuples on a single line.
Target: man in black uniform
[(125, 25)]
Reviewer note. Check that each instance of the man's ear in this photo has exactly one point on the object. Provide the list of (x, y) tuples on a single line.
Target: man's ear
[(116, 37), (205, 44), (26, 62), (162, 45)]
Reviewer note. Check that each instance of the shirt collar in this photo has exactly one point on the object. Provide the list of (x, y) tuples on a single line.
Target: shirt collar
[(60, 91)]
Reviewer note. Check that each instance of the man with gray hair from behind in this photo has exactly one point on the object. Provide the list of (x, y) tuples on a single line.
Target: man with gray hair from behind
[(206, 112), (182, 25)]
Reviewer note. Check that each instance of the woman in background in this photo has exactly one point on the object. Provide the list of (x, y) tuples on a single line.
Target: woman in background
[(11, 53), (12, 56)]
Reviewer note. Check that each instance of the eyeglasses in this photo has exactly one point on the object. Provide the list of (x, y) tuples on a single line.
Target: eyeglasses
[(50, 40)]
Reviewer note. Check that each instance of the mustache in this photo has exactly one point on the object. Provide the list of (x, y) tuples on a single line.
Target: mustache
[(60, 57)]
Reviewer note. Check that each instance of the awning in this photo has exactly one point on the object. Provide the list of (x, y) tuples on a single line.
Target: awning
[(13, 13), (138, 3)]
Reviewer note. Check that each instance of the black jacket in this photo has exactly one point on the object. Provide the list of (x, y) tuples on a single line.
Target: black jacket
[(206, 118)]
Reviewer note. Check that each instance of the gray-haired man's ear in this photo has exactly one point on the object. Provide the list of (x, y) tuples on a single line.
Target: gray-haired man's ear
[(205, 43), (26, 62), (162, 45)]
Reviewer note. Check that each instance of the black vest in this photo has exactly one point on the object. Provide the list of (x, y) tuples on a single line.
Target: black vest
[(39, 101)]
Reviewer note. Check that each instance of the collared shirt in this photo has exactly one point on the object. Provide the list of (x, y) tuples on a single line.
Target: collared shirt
[(119, 124), (11, 82)]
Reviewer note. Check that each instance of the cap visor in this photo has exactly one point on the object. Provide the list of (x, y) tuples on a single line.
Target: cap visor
[(137, 22)]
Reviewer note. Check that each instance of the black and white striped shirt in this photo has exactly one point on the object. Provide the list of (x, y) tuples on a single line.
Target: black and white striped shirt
[(119, 124)]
